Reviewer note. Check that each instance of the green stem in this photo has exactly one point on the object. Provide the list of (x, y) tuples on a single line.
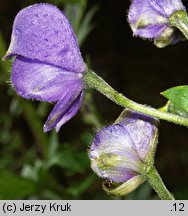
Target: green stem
[(96, 82), (179, 19), (156, 182), (35, 126)]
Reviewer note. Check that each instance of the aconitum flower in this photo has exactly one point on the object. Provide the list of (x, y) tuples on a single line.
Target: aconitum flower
[(123, 151), (150, 19), (47, 62)]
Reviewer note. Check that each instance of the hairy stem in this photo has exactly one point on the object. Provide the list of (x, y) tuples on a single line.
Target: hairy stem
[(96, 82), (157, 184)]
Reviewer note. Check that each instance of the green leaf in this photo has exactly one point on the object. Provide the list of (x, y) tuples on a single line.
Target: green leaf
[(81, 187), (15, 187), (70, 158), (172, 108), (178, 96)]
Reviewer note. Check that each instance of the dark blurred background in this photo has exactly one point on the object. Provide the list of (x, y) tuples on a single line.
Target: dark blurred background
[(34, 165)]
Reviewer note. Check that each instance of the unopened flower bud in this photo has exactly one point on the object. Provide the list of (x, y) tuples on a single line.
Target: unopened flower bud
[(149, 19), (122, 152)]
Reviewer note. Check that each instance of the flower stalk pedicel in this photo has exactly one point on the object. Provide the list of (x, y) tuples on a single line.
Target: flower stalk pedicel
[(96, 82), (48, 65), (124, 152), (150, 19)]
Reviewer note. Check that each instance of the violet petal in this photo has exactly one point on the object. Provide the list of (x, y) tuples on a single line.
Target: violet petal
[(141, 128), (35, 80), (153, 31), (65, 109), (114, 144), (166, 7)]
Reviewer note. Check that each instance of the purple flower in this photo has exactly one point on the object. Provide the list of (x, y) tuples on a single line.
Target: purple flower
[(48, 65), (150, 19), (124, 150)]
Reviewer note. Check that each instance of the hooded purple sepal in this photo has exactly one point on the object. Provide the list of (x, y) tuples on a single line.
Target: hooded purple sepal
[(143, 130), (48, 65), (123, 151), (42, 32), (150, 19)]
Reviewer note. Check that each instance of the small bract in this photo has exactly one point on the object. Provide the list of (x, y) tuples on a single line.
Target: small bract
[(48, 65)]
